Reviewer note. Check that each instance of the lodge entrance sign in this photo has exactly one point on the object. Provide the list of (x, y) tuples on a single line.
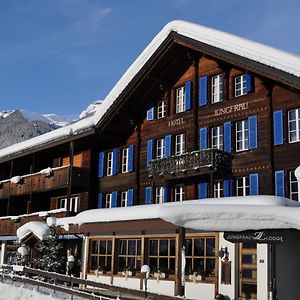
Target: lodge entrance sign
[(256, 236)]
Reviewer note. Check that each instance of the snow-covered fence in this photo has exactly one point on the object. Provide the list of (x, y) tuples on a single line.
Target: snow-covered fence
[(74, 286)]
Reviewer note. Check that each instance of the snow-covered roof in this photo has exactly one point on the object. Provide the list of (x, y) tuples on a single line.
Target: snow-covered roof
[(221, 214), (40, 229), (254, 51)]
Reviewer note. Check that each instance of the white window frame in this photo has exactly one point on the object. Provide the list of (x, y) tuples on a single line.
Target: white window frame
[(243, 186), (240, 87), (218, 188), (124, 199), (63, 203), (297, 125), (160, 148), (180, 99), (125, 159), (161, 109), (180, 144), (109, 164), (293, 186), (159, 195), (72, 206), (179, 193), (242, 135), (217, 137), (217, 88), (108, 200)]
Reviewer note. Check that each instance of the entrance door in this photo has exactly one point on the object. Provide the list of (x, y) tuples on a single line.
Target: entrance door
[(248, 271)]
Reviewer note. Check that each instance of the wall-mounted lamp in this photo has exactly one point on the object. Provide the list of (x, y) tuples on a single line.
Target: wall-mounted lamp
[(223, 252)]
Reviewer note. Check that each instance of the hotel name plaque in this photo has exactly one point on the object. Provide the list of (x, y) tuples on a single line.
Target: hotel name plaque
[(231, 109)]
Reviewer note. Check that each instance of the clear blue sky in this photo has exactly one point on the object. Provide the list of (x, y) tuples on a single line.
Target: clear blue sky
[(60, 55)]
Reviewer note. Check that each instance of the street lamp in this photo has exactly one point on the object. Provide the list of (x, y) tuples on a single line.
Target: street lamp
[(145, 270)]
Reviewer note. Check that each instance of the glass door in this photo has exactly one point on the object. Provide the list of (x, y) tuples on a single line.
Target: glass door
[(247, 271)]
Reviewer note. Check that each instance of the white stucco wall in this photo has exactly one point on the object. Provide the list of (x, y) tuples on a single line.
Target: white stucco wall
[(262, 271), (227, 289), (199, 291), (164, 287)]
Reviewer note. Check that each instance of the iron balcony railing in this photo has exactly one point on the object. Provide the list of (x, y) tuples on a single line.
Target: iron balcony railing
[(212, 159)]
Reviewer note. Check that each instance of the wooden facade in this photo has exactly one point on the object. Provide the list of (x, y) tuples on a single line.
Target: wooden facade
[(195, 122)]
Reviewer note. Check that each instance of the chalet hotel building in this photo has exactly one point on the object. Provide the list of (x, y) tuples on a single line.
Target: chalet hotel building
[(200, 114)]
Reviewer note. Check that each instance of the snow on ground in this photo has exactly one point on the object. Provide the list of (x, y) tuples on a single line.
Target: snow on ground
[(20, 291)]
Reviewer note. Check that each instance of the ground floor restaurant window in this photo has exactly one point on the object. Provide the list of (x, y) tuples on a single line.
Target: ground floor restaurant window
[(129, 255), (100, 255), (162, 255), (200, 255)]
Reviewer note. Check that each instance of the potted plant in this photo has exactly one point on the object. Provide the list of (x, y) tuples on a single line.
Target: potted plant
[(201, 274)]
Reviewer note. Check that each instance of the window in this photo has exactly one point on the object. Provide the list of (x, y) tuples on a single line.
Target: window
[(161, 109), (240, 85), (217, 88), (293, 186), (180, 99), (125, 157), (294, 125), (100, 254), (159, 194), (200, 255), (109, 169), (180, 144), (124, 199), (129, 254), (160, 148), (162, 255), (242, 186), (217, 137), (72, 206), (218, 189), (179, 192), (242, 136), (108, 201)]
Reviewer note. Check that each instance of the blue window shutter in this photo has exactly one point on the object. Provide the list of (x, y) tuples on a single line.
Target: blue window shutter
[(278, 127), (150, 111), (114, 199), (101, 164), (227, 187), (252, 123), (115, 161), (254, 184), (166, 193), (148, 195), (149, 151), (279, 183), (203, 190), (130, 157), (168, 145), (188, 95), (227, 137), (130, 197), (203, 91), (203, 138), (248, 83), (99, 204)]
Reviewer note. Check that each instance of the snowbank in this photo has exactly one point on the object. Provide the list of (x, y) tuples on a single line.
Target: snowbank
[(40, 229), (221, 214)]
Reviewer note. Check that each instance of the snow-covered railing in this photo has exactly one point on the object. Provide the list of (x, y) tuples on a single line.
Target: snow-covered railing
[(68, 284), (197, 160)]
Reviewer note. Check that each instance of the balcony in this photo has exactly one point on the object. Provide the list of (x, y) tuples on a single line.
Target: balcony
[(196, 162), (37, 182)]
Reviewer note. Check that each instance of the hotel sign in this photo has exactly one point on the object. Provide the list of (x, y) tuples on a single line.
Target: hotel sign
[(176, 122), (259, 237), (231, 109)]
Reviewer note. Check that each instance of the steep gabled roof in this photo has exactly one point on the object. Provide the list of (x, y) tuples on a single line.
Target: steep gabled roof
[(284, 65)]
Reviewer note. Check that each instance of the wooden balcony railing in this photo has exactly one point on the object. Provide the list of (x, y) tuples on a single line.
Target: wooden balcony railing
[(39, 182), (201, 161), (9, 225)]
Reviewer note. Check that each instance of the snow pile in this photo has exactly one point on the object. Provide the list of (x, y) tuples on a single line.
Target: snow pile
[(47, 172), (40, 229), (16, 179), (220, 214), (91, 109)]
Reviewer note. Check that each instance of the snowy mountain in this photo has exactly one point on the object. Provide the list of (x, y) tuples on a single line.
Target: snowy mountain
[(19, 125)]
